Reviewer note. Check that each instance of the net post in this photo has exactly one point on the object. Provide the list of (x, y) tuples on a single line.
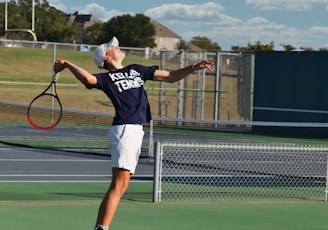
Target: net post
[(157, 173), (151, 140)]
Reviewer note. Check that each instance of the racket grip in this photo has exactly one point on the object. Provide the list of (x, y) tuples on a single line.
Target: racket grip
[(55, 77)]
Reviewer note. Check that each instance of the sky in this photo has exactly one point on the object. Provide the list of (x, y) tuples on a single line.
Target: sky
[(300, 23)]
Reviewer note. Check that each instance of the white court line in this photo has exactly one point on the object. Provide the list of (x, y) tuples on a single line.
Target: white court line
[(134, 179)]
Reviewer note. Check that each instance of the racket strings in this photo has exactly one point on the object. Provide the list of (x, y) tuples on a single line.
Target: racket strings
[(45, 111)]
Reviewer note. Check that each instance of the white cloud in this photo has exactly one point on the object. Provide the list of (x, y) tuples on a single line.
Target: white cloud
[(319, 30), (58, 5), (285, 4), (256, 29), (99, 12), (95, 9), (202, 16), (210, 19), (209, 11)]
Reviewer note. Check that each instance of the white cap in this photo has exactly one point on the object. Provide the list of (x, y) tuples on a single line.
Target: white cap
[(101, 51)]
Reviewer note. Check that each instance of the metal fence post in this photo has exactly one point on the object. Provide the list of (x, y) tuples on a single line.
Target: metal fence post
[(157, 173)]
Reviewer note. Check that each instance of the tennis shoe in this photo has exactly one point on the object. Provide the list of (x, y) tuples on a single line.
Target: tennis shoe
[(99, 228)]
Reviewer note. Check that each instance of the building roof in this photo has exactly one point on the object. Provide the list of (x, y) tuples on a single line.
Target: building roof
[(163, 31)]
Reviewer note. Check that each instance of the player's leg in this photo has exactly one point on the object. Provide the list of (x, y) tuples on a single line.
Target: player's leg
[(109, 204), (125, 142)]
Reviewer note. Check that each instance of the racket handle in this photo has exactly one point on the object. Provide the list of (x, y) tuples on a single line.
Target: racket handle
[(55, 77)]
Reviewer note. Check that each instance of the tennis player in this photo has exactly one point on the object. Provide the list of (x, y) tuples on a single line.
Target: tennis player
[(124, 86)]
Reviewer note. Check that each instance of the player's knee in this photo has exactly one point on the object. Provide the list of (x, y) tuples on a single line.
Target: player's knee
[(120, 189), (124, 187), (119, 186)]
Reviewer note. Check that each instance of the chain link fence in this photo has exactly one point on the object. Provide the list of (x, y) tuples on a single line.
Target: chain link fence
[(225, 94)]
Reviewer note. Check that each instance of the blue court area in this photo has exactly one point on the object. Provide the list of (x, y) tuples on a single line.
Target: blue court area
[(37, 164)]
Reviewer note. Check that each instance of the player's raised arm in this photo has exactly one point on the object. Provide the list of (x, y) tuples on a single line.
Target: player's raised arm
[(176, 75), (81, 74)]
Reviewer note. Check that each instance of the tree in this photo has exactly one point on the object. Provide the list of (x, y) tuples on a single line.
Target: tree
[(132, 31), (323, 49), (50, 24), (288, 47), (257, 46), (306, 48), (183, 45), (93, 33), (205, 43), (15, 19)]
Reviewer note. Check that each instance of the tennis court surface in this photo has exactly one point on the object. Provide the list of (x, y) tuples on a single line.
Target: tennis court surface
[(58, 178), (56, 205), (65, 189)]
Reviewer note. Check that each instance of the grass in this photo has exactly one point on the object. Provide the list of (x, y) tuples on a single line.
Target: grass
[(35, 65)]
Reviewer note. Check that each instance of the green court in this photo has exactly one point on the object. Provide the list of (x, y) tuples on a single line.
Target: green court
[(54, 206)]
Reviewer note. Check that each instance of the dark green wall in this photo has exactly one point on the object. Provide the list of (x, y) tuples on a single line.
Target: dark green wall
[(288, 83)]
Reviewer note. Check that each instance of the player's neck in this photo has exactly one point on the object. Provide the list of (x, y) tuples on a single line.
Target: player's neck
[(115, 66)]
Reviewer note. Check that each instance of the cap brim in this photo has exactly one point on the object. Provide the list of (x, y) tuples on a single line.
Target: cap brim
[(100, 51), (113, 42)]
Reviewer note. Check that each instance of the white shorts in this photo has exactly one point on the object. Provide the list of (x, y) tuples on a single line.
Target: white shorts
[(125, 142)]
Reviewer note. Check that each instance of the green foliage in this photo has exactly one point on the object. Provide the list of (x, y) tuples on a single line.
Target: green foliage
[(132, 31), (306, 48), (92, 34), (323, 49), (257, 46), (183, 45), (205, 43), (50, 24), (288, 47)]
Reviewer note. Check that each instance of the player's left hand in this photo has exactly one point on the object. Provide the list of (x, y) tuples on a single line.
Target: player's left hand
[(206, 64)]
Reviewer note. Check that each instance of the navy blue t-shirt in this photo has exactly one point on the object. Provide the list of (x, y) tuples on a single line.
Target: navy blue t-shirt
[(125, 88)]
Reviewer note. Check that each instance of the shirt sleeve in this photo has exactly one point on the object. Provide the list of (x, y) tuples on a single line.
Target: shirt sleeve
[(148, 71), (99, 84)]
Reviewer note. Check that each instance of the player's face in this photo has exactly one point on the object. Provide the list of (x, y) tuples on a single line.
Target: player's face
[(115, 53)]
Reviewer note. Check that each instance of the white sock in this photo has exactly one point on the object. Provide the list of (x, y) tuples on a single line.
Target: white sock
[(102, 227)]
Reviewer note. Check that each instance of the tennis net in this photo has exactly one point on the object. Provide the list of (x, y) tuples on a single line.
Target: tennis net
[(81, 129), (191, 171)]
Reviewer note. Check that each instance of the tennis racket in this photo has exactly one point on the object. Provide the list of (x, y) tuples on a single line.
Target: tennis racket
[(45, 110)]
